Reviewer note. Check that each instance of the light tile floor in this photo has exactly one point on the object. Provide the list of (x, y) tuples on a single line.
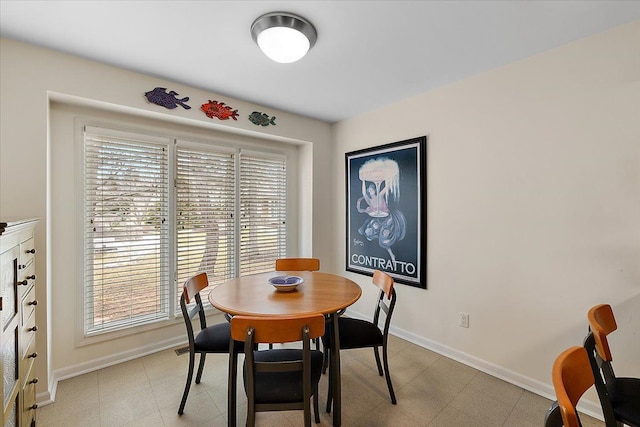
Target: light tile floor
[(431, 390)]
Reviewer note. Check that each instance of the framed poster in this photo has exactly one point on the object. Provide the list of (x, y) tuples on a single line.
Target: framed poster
[(386, 216)]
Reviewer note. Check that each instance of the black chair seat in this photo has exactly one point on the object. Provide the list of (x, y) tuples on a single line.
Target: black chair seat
[(553, 417), (354, 333), (215, 339), (625, 399), (283, 387)]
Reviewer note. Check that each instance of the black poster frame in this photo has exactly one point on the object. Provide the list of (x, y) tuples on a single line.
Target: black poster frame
[(386, 211)]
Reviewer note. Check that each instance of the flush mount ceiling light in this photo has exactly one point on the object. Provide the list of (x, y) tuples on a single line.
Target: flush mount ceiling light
[(283, 37)]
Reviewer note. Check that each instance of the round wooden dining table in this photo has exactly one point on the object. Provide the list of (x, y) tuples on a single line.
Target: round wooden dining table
[(318, 293)]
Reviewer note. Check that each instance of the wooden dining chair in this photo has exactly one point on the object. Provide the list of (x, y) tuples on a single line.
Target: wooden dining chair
[(572, 377), (281, 379), (210, 339), (357, 333), (619, 397)]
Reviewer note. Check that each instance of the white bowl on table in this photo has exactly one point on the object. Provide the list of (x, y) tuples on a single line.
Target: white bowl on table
[(285, 283)]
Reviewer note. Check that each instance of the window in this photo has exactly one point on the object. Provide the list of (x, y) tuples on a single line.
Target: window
[(262, 213), (126, 231), (159, 210), (205, 214)]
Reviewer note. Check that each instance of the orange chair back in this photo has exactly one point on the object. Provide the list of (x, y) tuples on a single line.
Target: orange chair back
[(278, 329), (602, 323), (571, 376), (194, 285), (384, 282), (297, 264)]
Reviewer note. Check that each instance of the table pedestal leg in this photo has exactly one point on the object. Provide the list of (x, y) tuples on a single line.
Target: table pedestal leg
[(334, 373)]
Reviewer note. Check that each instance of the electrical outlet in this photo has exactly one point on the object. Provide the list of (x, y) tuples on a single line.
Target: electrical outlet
[(464, 320)]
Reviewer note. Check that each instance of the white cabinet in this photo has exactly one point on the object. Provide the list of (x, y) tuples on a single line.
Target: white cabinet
[(18, 327)]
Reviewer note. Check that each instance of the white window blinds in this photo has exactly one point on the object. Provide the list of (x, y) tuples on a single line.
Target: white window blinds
[(263, 204), (159, 210), (125, 232), (205, 214)]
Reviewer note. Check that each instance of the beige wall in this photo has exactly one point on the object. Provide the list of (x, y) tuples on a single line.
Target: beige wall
[(42, 92), (533, 207)]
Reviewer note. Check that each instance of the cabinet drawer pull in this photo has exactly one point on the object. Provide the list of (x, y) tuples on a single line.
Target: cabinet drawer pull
[(33, 355), (34, 302), (22, 266), (34, 406), (31, 251), (33, 381), (32, 277), (33, 329), (23, 283)]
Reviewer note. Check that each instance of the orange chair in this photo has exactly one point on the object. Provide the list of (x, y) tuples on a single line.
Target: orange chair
[(619, 397), (572, 377)]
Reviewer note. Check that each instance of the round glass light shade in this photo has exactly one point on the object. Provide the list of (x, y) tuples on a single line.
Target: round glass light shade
[(282, 44), (283, 37)]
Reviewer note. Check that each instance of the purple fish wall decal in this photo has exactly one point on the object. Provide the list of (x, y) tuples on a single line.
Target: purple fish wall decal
[(159, 96)]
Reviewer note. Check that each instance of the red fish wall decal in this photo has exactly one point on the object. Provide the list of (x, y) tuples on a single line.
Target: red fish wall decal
[(220, 110)]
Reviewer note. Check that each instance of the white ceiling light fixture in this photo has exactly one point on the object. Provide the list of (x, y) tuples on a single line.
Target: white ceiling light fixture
[(283, 37)]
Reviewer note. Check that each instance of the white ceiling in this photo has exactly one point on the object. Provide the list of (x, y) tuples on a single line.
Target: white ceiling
[(368, 54)]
